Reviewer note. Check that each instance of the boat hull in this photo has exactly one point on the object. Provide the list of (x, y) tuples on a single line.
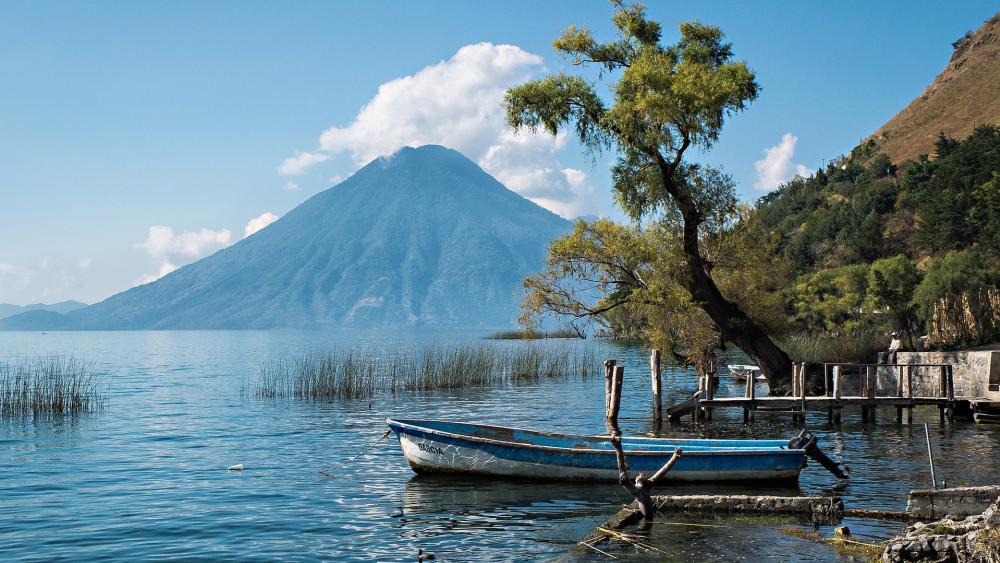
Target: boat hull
[(430, 451)]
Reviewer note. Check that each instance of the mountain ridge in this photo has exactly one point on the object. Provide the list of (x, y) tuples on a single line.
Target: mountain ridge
[(62, 307), (963, 95), (420, 237)]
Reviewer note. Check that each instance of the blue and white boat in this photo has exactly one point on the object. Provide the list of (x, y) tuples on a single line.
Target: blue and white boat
[(433, 446)]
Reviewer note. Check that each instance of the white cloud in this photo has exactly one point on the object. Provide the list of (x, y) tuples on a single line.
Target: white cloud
[(165, 268), (296, 165), (13, 280), (776, 167), (84, 263), (173, 250), (458, 103), (292, 186), (335, 179), (258, 223)]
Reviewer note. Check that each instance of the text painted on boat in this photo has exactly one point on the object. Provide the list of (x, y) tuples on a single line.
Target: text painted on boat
[(430, 448)]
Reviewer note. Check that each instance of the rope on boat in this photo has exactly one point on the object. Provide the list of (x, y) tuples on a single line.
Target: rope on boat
[(328, 471)]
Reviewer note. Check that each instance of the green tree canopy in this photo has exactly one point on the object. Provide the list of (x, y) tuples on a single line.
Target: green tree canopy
[(665, 99), (891, 282)]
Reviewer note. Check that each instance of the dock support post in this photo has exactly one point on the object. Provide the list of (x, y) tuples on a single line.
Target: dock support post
[(836, 383), (942, 392), (951, 393), (837, 393), (909, 393), (655, 374), (802, 389), (614, 375), (795, 388), (899, 393), (872, 375), (609, 374), (865, 392)]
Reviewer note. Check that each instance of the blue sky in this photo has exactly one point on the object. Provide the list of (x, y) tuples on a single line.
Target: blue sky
[(138, 136)]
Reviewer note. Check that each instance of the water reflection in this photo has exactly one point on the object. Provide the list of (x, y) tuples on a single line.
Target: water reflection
[(146, 478)]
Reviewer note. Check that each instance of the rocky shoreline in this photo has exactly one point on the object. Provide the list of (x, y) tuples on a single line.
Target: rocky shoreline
[(975, 539)]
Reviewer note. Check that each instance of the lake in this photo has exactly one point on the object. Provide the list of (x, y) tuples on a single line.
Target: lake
[(147, 479)]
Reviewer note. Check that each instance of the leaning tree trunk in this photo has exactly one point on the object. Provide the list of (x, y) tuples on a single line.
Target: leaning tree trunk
[(740, 329), (734, 324)]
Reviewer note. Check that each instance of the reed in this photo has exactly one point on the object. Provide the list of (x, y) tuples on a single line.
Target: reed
[(530, 334), (365, 374), (49, 386), (860, 348)]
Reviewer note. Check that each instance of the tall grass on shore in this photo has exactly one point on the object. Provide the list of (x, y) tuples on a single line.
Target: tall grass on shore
[(365, 374), (861, 348), (49, 386)]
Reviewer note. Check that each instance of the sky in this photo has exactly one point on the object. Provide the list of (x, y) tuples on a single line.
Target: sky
[(136, 137)]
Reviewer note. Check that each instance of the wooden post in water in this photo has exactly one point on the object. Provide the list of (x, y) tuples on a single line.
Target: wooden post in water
[(866, 385), (709, 393), (909, 393), (826, 391), (609, 373), (795, 387), (655, 375), (837, 391), (802, 388), (942, 391), (872, 376), (951, 392), (899, 392), (616, 392)]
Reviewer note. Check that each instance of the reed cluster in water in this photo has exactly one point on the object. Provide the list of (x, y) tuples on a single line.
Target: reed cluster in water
[(862, 347), (364, 374), (530, 334), (49, 386)]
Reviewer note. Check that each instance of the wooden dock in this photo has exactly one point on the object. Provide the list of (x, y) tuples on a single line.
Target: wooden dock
[(870, 386)]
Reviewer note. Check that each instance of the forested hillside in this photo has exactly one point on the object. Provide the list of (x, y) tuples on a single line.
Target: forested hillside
[(878, 246)]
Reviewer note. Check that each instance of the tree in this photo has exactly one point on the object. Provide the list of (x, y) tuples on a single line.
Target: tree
[(958, 287), (831, 300), (665, 100), (891, 283)]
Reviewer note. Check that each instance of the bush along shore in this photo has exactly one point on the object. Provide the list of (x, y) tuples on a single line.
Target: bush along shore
[(365, 374), (49, 386)]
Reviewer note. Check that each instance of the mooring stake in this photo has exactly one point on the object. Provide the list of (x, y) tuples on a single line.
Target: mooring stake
[(930, 455)]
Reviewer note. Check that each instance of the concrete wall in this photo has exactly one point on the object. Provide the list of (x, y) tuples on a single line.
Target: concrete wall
[(953, 502), (976, 373)]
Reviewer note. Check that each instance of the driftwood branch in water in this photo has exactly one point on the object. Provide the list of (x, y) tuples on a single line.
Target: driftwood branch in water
[(641, 488)]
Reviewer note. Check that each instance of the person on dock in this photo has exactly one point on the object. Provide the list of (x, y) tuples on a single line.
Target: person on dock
[(894, 346)]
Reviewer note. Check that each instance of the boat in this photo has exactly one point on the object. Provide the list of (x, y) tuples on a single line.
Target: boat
[(436, 446), (741, 372)]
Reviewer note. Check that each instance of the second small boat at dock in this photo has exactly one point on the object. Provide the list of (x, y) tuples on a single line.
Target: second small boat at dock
[(457, 447)]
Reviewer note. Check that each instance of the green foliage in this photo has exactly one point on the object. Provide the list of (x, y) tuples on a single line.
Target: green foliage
[(666, 98), (862, 208), (891, 282), (952, 275), (831, 299), (627, 279), (677, 281)]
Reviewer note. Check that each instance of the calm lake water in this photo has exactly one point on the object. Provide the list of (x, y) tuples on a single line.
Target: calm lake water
[(146, 478)]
